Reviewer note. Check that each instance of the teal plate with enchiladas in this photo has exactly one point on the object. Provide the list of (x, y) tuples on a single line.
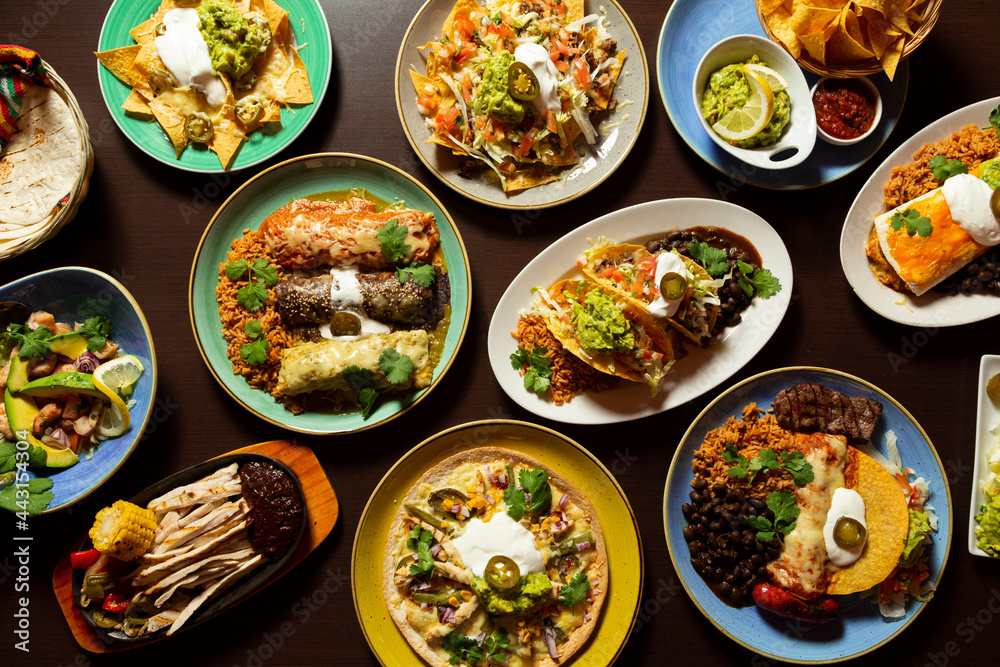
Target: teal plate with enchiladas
[(860, 627), (352, 326)]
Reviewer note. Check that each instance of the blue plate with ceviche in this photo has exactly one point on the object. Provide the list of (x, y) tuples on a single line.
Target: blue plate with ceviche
[(75, 294), (689, 30), (860, 627)]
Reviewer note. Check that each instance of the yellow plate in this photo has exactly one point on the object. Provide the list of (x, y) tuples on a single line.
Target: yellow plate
[(621, 533)]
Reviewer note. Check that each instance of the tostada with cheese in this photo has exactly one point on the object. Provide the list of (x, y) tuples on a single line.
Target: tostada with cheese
[(493, 558)]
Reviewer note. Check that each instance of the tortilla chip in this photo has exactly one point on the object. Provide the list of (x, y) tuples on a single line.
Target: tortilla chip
[(522, 179), (807, 20), (136, 103), (780, 23), (172, 122), (120, 61), (274, 14), (574, 9), (846, 44), (769, 6), (890, 59), (815, 45), (297, 88), (461, 7), (888, 525)]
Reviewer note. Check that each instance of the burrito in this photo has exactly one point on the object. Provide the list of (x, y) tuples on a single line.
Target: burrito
[(320, 366), (307, 234), (922, 242), (610, 334), (635, 274)]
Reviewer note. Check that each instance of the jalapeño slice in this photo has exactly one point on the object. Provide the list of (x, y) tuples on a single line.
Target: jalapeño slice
[(673, 286), (995, 202), (502, 573), (522, 84), (849, 533)]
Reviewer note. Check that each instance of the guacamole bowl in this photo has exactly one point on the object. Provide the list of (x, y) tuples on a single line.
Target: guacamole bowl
[(798, 137)]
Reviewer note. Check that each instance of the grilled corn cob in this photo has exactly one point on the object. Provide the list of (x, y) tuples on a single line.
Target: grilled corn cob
[(124, 530)]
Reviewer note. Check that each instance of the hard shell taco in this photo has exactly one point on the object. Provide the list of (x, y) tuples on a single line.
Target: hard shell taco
[(635, 274), (612, 334)]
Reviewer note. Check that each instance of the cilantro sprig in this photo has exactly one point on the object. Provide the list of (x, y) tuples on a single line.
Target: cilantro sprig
[(575, 591), (419, 272), (757, 282), (536, 366), (8, 456), (943, 168), (913, 221), (713, 259), (466, 649), (396, 367), (254, 353), (252, 295), (782, 504), (995, 119), (766, 460), (421, 540), (392, 237), (97, 330), (536, 484), (31, 498), (35, 343)]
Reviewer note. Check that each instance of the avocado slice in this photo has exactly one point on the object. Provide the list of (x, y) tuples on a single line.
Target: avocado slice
[(70, 344), (21, 411), (18, 375), (54, 386)]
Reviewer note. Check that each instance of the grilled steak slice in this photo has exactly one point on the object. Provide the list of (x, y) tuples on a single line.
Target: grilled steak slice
[(813, 407)]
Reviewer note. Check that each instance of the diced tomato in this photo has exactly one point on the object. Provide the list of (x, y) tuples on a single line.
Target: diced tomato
[(115, 601), (74, 440), (445, 120), (580, 72), (427, 102), (463, 26), (647, 266), (508, 167), (444, 51), (526, 144), (561, 65), (466, 51), (551, 122), (83, 559), (559, 46)]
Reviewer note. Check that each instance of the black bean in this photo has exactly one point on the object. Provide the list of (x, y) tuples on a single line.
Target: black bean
[(757, 560), (674, 235), (985, 276), (715, 526), (972, 268), (701, 484), (695, 497), (688, 533), (720, 491)]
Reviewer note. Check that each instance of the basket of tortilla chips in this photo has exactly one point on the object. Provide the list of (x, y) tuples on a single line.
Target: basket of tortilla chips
[(848, 38), (45, 167)]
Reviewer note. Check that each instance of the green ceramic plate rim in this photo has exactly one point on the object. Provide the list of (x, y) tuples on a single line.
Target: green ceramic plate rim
[(201, 291), (471, 442), (149, 137)]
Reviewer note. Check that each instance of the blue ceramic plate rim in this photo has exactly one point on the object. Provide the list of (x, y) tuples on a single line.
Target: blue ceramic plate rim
[(89, 474), (114, 91), (677, 58), (225, 228), (860, 620)]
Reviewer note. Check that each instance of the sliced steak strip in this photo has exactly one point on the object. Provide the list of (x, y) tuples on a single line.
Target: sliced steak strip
[(813, 407)]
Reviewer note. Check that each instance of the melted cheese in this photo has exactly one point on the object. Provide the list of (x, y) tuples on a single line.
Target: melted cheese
[(803, 565)]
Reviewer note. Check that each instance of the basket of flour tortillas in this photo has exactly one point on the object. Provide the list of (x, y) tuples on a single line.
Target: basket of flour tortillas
[(46, 163)]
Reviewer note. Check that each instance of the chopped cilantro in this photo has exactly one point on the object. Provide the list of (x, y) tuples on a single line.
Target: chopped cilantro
[(914, 222), (461, 648), (96, 330), (575, 592), (943, 168), (995, 119), (422, 274), (536, 366), (30, 342), (757, 282), (536, 483), (32, 497), (392, 236), (254, 353), (713, 259)]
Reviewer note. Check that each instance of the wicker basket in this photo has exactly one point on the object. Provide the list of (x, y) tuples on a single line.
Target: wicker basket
[(77, 194), (928, 17)]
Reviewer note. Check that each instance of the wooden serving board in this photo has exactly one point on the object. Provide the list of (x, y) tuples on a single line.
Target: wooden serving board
[(322, 511)]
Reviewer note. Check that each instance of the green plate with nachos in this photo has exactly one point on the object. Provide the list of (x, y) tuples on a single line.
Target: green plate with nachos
[(126, 48), (323, 176)]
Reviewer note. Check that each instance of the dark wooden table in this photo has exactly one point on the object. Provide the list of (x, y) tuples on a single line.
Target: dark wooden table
[(137, 223)]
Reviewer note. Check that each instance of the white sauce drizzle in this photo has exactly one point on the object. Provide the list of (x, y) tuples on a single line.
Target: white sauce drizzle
[(345, 295), (666, 262), (184, 51)]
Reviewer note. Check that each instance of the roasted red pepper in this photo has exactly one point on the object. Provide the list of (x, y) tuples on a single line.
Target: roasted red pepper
[(84, 558), (115, 602)]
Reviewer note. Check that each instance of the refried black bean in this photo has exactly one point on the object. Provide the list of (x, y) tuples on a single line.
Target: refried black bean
[(724, 550)]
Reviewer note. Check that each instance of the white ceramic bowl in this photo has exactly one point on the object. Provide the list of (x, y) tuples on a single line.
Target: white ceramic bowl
[(799, 136), (872, 91), (987, 416)]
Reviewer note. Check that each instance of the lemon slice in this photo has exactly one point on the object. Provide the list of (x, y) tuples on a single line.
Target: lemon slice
[(748, 120), (773, 78), (115, 379)]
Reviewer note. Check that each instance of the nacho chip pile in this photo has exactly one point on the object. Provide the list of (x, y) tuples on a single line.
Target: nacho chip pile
[(281, 79), (844, 32)]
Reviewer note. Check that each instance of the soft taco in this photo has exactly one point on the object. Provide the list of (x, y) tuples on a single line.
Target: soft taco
[(635, 274), (613, 334)]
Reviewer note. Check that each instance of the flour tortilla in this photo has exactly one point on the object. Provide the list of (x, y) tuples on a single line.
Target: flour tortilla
[(39, 165), (441, 476)]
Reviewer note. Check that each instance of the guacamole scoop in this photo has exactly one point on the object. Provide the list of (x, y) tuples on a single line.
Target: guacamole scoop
[(531, 590), (233, 41), (728, 89)]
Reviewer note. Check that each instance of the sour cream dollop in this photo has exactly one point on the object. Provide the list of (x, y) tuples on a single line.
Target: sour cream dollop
[(845, 503), (666, 262), (969, 200), (502, 536), (183, 50), (537, 59), (345, 294)]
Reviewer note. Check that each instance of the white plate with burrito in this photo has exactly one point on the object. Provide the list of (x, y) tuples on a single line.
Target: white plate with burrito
[(934, 308), (324, 270)]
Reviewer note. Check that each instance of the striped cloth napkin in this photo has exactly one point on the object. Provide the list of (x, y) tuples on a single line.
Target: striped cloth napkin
[(20, 69)]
